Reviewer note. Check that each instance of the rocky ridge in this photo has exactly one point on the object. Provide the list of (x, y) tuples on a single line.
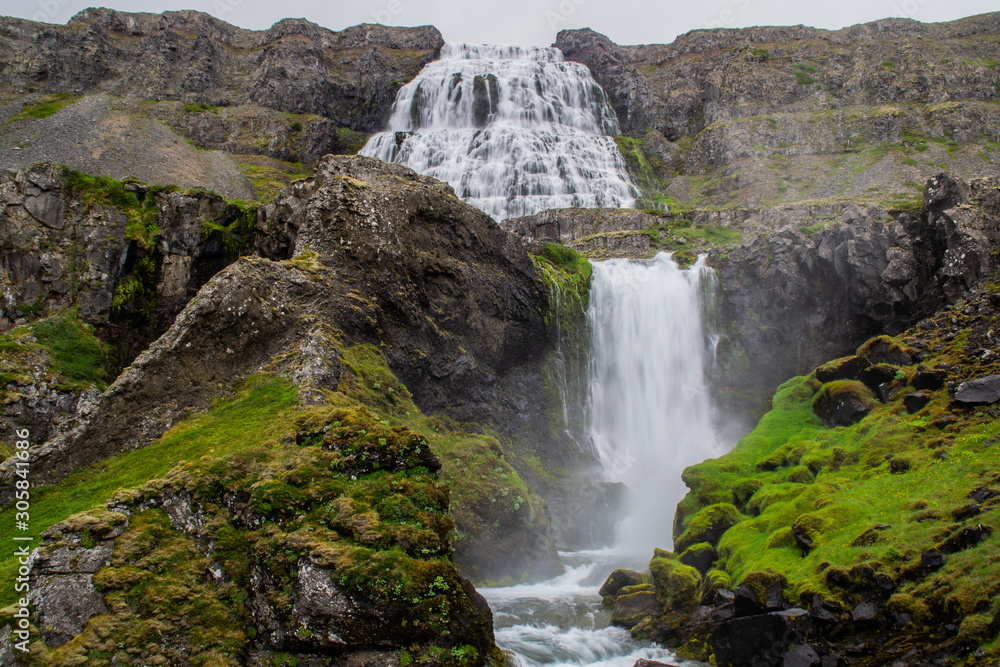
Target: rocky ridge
[(768, 115), (122, 94)]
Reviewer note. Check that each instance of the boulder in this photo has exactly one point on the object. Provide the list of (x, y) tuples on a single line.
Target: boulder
[(843, 402), (699, 556), (981, 391), (676, 585), (848, 368), (621, 578), (915, 402), (760, 639), (708, 525), (802, 655), (632, 608)]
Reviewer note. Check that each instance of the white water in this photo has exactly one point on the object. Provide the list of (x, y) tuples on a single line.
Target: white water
[(650, 418), (650, 408), (560, 623), (514, 130)]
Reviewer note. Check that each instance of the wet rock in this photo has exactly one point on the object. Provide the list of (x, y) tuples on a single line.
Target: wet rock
[(760, 639), (643, 662), (745, 602), (981, 391), (877, 376), (819, 611), (915, 402), (802, 655), (866, 612), (632, 608), (621, 578)]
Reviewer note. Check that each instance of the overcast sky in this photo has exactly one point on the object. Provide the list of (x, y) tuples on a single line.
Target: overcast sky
[(535, 21)]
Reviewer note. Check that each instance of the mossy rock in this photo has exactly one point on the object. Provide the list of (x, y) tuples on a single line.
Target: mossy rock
[(843, 402), (677, 585), (800, 475), (763, 584), (846, 368), (744, 490), (618, 580), (708, 525), (715, 581), (885, 350), (634, 607), (699, 556), (781, 538)]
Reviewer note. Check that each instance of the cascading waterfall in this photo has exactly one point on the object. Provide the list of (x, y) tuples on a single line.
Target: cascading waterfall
[(650, 418), (650, 408), (514, 130)]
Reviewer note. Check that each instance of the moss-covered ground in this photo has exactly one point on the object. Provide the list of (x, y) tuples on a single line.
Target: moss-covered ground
[(848, 513), (348, 480)]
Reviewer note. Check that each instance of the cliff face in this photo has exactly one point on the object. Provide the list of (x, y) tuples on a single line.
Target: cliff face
[(120, 94), (761, 116), (361, 253), (350, 77)]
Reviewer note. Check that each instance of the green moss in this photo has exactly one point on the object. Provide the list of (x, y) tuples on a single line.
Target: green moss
[(801, 475), (677, 585), (200, 107), (77, 355), (43, 107), (568, 259), (708, 525)]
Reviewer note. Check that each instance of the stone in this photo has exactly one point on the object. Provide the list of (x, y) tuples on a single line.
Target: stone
[(619, 579), (761, 638), (802, 655), (965, 538), (981, 391), (866, 612), (699, 556), (848, 368), (932, 560), (928, 380), (643, 662), (982, 494), (631, 609), (915, 402)]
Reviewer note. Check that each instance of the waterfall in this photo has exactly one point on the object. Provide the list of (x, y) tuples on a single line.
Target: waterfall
[(649, 403), (514, 130)]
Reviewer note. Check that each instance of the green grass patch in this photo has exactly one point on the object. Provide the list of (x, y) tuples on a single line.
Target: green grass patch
[(44, 106), (250, 418), (200, 107), (76, 353), (567, 258)]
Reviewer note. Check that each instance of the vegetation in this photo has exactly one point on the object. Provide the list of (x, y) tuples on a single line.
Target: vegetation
[(827, 510), (43, 107), (59, 350), (568, 259)]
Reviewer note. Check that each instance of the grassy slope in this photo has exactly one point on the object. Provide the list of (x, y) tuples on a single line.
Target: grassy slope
[(912, 472)]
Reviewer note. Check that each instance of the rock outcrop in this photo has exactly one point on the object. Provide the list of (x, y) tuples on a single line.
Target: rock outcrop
[(362, 252), (792, 297), (350, 77), (766, 115)]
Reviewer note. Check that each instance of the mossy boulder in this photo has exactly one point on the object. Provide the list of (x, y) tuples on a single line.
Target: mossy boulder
[(846, 368), (744, 490), (699, 556), (763, 589), (677, 585), (708, 525), (635, 604), (843, 402), (618, 580), (801, 475), (885, 350)]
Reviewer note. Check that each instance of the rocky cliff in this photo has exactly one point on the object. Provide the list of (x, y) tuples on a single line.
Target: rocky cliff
[(119, 94), (760, 116)]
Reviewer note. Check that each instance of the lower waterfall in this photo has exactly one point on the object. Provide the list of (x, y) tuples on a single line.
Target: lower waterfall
[(650, 417)]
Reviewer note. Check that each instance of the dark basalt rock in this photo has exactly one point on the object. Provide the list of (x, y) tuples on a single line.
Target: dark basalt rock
[(965, 538), (981, 391), (643, 662), (916, 402), (760, 639), (982, 494), (877, 376), (619, 579), (866, 612), (928, 380), (850, 368), (802, 655), (932, 560)]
